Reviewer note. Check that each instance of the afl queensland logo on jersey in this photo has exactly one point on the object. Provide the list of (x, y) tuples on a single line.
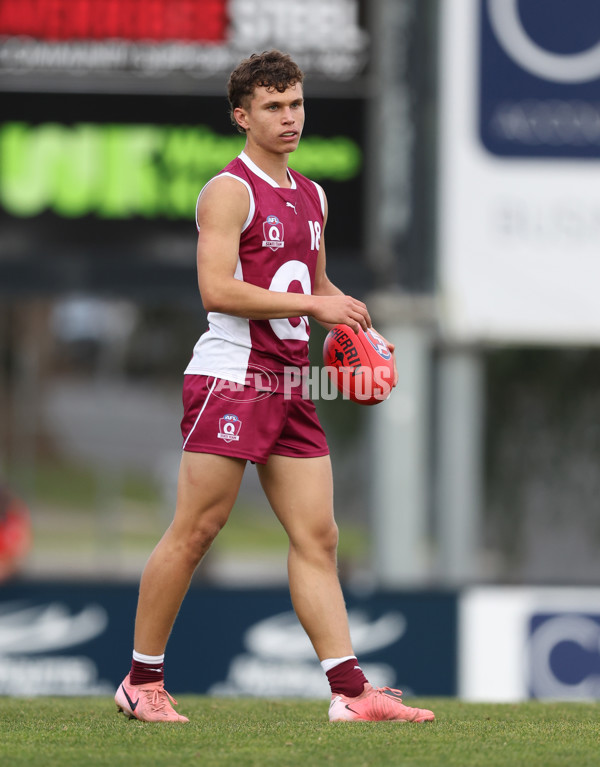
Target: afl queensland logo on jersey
[(273, 233), (229, 428)]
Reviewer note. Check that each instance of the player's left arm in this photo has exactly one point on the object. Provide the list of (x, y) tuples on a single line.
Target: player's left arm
[(325, 287)]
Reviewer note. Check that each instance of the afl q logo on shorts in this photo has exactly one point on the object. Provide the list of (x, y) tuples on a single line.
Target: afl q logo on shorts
[(539, 78), (229, 428)]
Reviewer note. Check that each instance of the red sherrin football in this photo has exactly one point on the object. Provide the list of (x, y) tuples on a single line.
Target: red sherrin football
[(361, 365)]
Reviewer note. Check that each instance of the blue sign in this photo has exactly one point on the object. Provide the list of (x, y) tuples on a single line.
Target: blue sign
[(564, 656), (539, 78), (63, 639)]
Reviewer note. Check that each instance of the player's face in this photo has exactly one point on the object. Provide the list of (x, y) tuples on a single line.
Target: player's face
[(274, 120)]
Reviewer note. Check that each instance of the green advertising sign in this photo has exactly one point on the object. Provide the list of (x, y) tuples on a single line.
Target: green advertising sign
[(118, 171)]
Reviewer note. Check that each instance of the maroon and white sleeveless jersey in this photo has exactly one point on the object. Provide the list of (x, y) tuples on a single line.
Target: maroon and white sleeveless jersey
[(279, 245)]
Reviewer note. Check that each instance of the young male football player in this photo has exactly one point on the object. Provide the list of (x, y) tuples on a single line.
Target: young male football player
[(261, 274)]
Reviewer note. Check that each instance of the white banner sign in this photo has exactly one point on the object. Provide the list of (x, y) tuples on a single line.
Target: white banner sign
[(519, 195), (518, 643)]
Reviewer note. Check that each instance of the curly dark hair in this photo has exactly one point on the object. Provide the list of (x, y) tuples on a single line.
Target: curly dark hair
[(269, 69)]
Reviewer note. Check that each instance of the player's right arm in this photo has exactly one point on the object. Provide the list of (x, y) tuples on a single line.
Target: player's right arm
[(222, 211)]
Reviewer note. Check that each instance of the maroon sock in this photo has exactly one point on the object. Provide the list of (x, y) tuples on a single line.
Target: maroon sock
[(347, 678), (142, 673)]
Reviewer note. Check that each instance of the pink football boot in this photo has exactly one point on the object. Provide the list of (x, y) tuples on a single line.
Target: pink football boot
[(148, 702), (376, 704)]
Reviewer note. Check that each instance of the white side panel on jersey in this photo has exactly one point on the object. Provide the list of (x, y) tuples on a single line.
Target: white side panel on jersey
[(224, 350), (248, 220)]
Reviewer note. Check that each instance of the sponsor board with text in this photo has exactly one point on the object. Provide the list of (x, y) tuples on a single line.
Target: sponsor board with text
[(60, 639)]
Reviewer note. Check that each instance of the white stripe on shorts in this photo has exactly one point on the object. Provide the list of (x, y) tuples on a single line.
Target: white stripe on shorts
[(200, 413)]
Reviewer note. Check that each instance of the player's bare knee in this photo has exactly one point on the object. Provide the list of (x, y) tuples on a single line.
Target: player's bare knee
[(317, 542), (206, 532), (329, 540), (200, 537)]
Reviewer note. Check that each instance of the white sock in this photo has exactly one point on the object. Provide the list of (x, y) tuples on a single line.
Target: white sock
[(149, 659), (330, 663)]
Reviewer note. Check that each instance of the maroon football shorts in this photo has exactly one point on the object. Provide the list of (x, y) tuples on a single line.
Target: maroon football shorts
[(242, 422)]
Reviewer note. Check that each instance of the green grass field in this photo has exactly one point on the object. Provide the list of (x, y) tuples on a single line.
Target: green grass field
[(87, 731)]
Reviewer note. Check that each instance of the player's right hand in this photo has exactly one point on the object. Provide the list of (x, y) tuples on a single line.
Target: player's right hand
[(342, 309)]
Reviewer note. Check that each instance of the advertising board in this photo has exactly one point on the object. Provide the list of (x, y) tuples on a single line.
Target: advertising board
[(519, 202), (64, 639), (135, 45), (518, 643), (95, 189)]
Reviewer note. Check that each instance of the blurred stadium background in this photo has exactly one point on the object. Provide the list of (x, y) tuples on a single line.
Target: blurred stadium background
[(458, 142)]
